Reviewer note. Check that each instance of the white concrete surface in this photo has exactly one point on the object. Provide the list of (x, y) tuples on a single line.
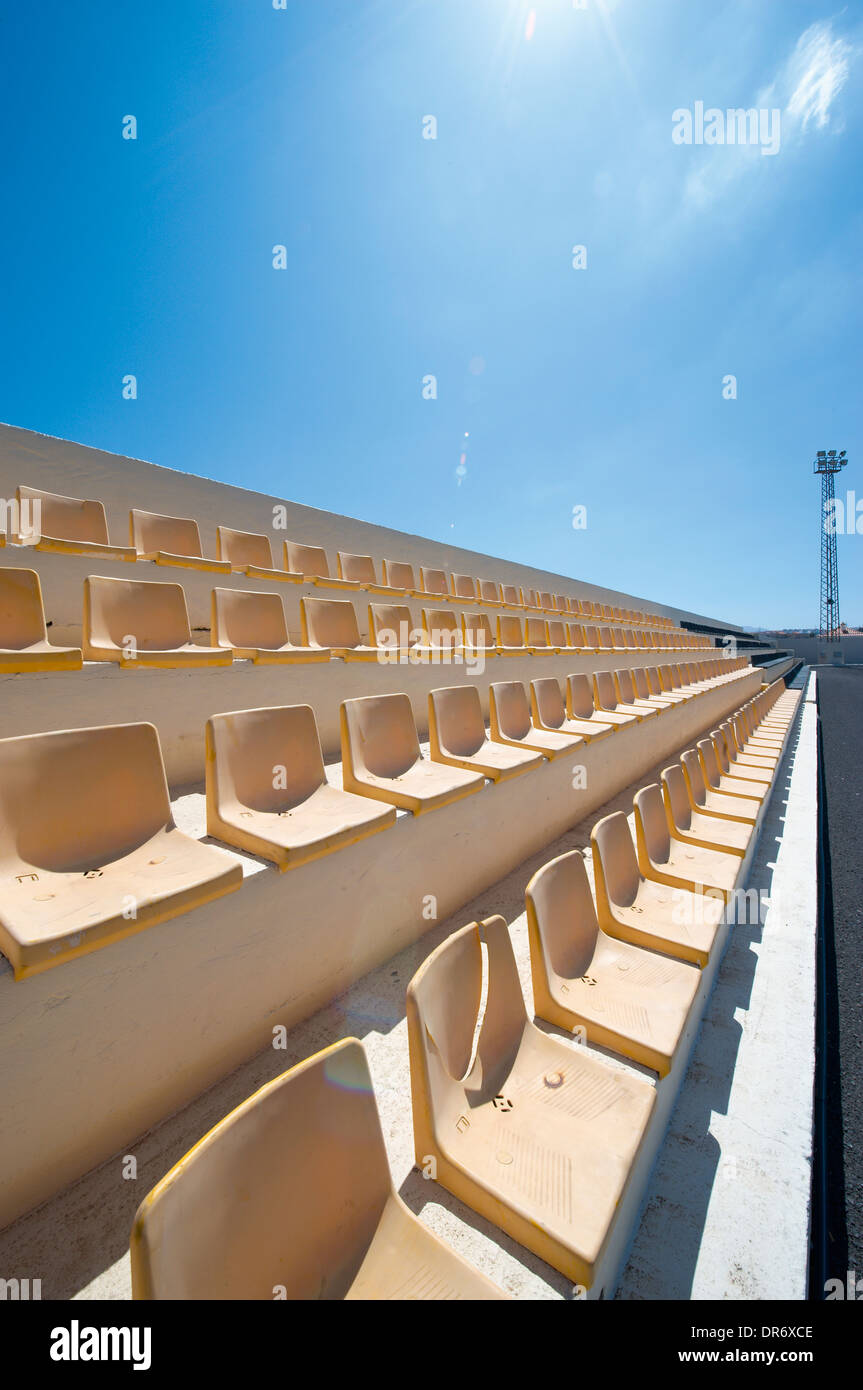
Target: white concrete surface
[(728, 1214)]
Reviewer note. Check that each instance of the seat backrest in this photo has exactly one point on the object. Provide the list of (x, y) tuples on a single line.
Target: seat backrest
[(434, 582), (442, 628), (463, 586), (61, 518), (629, 638), (510, 632), (561, 918), (306, 559), (443, 1008), (489, 591), (606, 695), (391, 625), (379, 735), (73, 801), (265, 759), (358, 568), (511, 595), (638, 676), (676, 797), (561, 603), (615, 865), (399, 574), (478, 631), (286, 1192), (557, 633), (547, 702), (456, 725), (579, 696), (651, 827), (694, 775), (605, 638), (247, 618), (531, 598), (545, 600), (22, 615), (153, 614), (178, 535), (626, 690), (244, 548), (591, 636), (510, 711), (536, 632), (329, 622), (576, 635)]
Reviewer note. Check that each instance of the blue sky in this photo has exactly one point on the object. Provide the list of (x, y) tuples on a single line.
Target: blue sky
[(406, 257)]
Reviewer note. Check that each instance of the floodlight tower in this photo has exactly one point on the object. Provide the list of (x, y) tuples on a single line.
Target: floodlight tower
[(828, 463)]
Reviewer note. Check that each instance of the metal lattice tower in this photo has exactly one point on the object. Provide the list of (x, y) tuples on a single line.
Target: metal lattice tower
[(828, 463)]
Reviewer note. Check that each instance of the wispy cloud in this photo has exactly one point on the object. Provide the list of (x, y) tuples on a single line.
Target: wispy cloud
[(815, 74), (804, 90)]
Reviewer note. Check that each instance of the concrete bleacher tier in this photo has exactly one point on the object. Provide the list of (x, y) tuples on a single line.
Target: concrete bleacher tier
[(192, 833)]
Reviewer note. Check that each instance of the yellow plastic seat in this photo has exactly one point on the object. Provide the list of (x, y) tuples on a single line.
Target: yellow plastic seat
[(267, 789), (606, 701), (548, 711), (536, 1135), (478, 636), (140, 624), (311, 562), (666, 858), (252, 626), (744, 769), (713, 803), (577, 640), (642, 911), (89, 851), (360, 569), (457, 736), (433, 582), (691, 827), (391, 628), (625, 998), (251, 554), (24, 645), (558, 635), (716, 772), (290, 1196), (489, 592), (536, 636), (171, 540), (400, 575), (661, 690), (627, 697), (510, 636), (464, 587), (511, 596), (442, 631), (331, 624), (643, 692), (381, 757), (511, 723), (580, 706), (545, 601), (561, 603), (67, 525), (591, 638)]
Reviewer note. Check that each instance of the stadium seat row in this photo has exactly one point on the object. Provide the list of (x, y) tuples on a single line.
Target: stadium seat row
[(69, 525), (140, 624), (539, 1137), (93, 853)]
